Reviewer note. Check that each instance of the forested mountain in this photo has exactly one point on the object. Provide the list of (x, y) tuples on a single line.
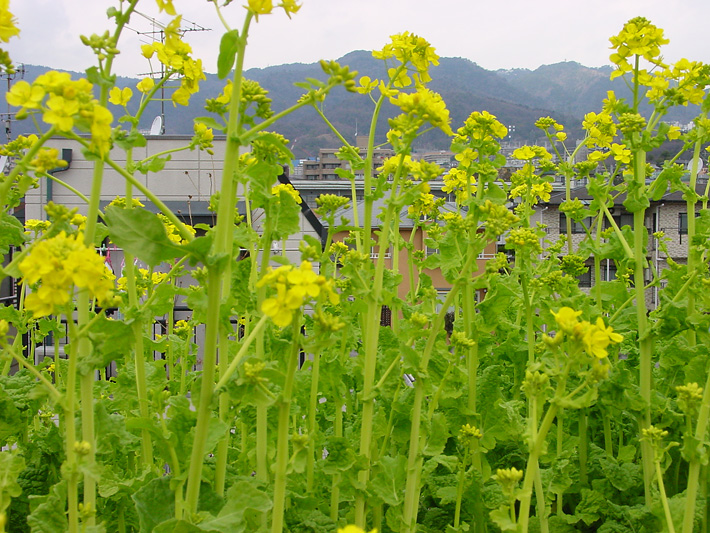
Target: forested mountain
[(518, 97)]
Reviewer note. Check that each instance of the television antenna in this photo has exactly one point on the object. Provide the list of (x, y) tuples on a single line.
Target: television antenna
[(157, 34)]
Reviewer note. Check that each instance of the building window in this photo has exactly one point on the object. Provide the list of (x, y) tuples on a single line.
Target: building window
[(585, 280), (626, 219), (577, 227), (683, 223), (385, 316), (608, 270)]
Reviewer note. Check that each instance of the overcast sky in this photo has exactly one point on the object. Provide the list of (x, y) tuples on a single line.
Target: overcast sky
[(495, 34)]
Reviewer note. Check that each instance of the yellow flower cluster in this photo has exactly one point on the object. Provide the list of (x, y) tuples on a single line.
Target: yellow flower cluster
[(425, 106), (7, 22), (408, 48), (265, 7), (601, 129), (538, 191), (172, 231), (637, 38), (482, 126), (64, 103), (354, 529), (175, 55), (460, 182), (288, 189), (144, 280), (54, 266), (47, 159), (294, 287), (595, 338)]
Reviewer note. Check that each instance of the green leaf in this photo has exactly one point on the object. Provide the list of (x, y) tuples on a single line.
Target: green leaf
[(12, 232), (210, 122), (438, 435), (10, 467), (154, 164), (501, 518), (132, 139), (388, 484), (97, 77), (155, 504), (49, 516), (228, 48), (244, 501), (141, 233)]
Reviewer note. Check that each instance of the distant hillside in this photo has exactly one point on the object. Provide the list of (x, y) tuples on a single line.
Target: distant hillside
[(518, 97)]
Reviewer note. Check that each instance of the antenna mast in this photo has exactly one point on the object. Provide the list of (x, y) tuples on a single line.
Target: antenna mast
[(9, 117)]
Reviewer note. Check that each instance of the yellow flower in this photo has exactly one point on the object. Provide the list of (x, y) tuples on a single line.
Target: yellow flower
[(260, 7), (304, 281), (621, 153), (367, 85), (101, 129), (597, 337), (120, 97), (167, 6), (354, 529), (524, 153), (57, 265), (280, 308), (566, 318), (145, 85), (288, 189), (22, 94), (290, 7), (7, 22), (61, 112)]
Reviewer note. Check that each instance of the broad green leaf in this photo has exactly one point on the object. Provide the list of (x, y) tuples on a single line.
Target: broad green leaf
[(228, 48), (11, 465), (142, 234), (49, 515), (12, 232)]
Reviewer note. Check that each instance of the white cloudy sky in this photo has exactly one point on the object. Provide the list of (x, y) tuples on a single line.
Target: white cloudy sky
[(495, 34)]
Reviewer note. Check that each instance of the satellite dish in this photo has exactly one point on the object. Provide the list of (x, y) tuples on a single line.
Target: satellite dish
[(157, 127), (700, 165)]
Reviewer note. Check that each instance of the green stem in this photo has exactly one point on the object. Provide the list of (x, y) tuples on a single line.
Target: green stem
[(695, 461), (414, 460), (194, 477), (277, 524), (583, 450), (459, 489), (312, 407), (664, 499), (70, 436)]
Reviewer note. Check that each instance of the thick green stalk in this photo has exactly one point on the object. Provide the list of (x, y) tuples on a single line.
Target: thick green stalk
[(583, 446), (277, 524), (216, 278), (560, 440), (459, 489), (335, 489), (194, 477), (70, 435), (531, 471), (371, 339), (312, 407), (138, 347), (414, 459), (644, 340), (695, 462), (664, 498)]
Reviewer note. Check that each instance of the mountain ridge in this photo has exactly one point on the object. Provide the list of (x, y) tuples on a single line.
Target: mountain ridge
[(518, 97)]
